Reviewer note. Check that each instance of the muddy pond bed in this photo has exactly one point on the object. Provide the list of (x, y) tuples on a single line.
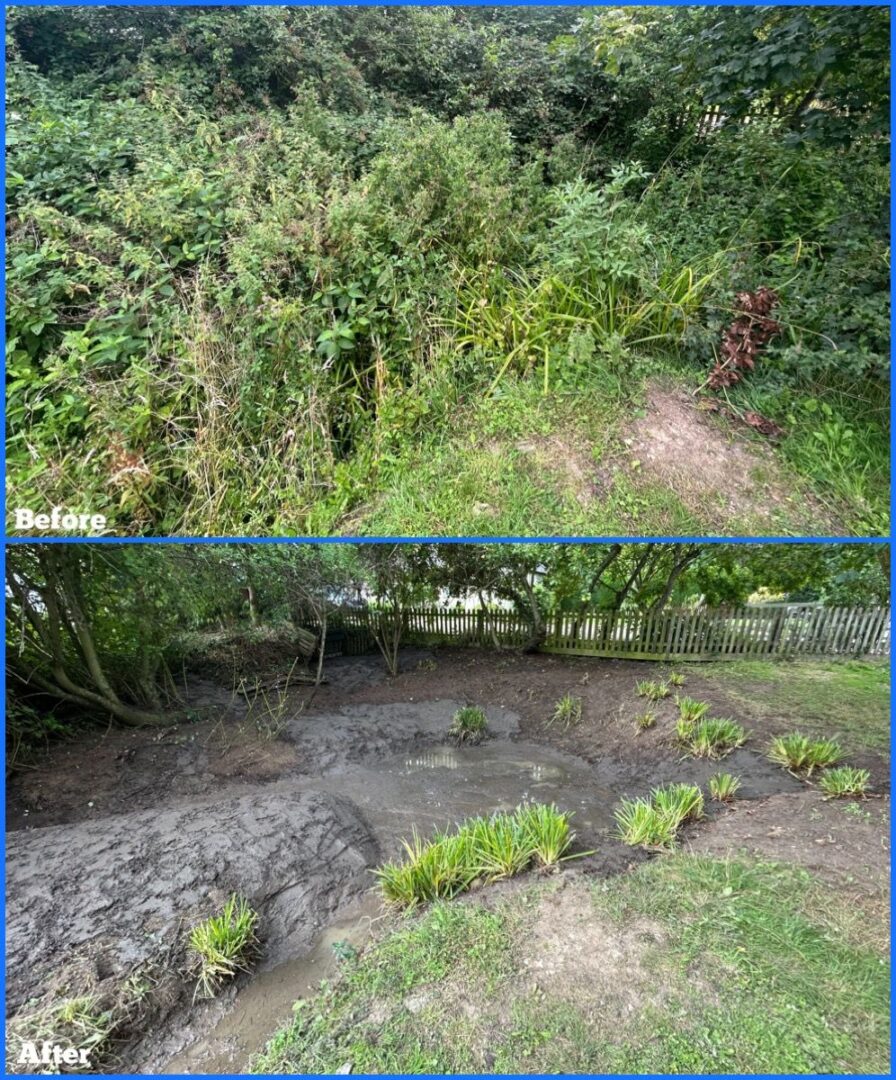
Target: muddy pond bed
[(123, 839)]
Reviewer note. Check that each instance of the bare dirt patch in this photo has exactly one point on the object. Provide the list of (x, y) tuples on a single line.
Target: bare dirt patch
[(567, 459), (575, 954), (841, 842), (716, 472)]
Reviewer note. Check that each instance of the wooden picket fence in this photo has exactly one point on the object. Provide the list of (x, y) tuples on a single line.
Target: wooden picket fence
[(705, 634)]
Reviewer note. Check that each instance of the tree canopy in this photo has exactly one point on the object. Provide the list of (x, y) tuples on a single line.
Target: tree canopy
[(101, 628)]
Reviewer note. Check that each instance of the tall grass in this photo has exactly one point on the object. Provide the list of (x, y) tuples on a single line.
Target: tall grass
[(483, 848)]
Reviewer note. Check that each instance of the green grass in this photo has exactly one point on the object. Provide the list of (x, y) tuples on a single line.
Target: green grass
[(480, 849), (730, 967), (798, 753), (469, 725), (222, 945), (713, 738), (844, 782), (567, 711), (723, 787), (845, 699), (676, 679)]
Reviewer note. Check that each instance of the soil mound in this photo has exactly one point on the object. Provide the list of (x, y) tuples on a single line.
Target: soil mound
[(89, 904)]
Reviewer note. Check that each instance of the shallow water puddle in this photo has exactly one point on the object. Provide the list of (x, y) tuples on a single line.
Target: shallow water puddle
[(423, 790), (440, 786)]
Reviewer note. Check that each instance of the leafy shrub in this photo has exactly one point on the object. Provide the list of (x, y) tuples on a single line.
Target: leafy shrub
[(487, 848), (723, 787), (714, 738), (568, 711), (222, 945), (469, 725), (799, 753), (844, 780)]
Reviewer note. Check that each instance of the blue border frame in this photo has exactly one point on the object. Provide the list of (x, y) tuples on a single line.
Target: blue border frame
[(6, 539)]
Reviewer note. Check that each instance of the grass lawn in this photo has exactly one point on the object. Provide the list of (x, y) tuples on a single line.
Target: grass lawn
[(517, 465), (847, 699), (686, 964)]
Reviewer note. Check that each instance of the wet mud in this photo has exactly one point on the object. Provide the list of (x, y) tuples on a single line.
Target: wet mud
[(124, 840)]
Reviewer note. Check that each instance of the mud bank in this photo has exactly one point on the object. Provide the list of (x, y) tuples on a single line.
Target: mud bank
[(90, 904), (332, 740)]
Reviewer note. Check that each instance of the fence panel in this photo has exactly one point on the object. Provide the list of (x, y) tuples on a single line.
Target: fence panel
[(705, 634)]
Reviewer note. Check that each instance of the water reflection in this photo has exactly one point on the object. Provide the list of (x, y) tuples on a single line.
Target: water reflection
[(445, 757), (477, 762)]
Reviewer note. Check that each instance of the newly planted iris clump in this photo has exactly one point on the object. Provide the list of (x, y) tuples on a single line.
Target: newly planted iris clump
[(723, 787), (469, 725), (481, 849), (799, 753), (645, 721), (568, 711), (653, 691), (845, 782), (689, 712), (654, 822), (222, 945), (714, 738)]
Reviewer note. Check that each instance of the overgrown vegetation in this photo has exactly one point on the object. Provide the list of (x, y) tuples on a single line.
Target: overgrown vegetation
[(308, 262), (484, 848), (469, 725), (222, 945)]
